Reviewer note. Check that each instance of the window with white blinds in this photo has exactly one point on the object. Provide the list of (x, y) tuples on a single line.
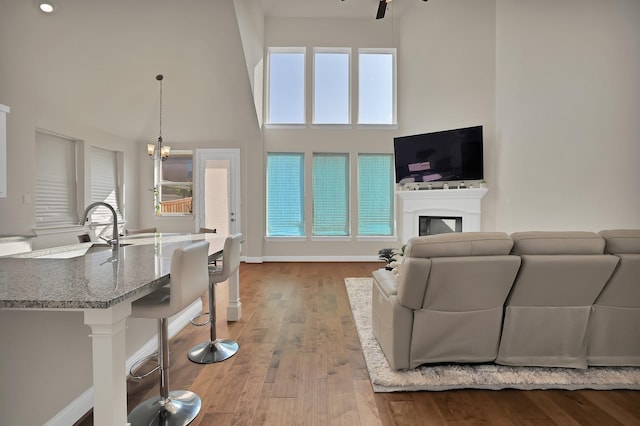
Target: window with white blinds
[(375, 194), (104, 184), (56, 203), (285, 194), (330, 194)]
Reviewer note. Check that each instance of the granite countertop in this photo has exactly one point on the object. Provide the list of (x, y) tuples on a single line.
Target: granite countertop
[(90, 275)]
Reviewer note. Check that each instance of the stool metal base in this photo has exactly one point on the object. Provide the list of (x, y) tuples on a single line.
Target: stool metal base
[(213, 351), (178, 410)]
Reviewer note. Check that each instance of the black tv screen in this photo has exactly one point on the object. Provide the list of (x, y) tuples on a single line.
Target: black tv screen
[(448, 155)]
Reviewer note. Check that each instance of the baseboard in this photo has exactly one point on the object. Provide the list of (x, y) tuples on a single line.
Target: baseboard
[(74, 411), (263, 259), (84, 403), (320, 259)]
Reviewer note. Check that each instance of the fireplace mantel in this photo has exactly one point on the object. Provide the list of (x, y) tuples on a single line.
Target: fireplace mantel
[(464, 203)]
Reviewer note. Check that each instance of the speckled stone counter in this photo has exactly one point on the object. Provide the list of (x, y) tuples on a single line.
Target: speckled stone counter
[(102, 284), (99, 278)]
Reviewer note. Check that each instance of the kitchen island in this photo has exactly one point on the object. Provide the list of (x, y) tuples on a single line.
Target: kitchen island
[(101, 283)]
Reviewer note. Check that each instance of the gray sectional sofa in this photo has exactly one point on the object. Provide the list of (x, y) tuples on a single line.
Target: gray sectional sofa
[(552, 299)]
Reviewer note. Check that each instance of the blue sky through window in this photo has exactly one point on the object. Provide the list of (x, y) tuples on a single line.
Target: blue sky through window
[(331, 88), (286, 88)]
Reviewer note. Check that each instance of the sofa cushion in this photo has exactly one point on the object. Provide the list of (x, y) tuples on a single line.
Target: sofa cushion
[(557, 242), (622, 241), (456, 244)]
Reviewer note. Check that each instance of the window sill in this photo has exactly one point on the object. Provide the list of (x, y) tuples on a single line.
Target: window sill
[(332, 238), (377, 238), (283, 239)]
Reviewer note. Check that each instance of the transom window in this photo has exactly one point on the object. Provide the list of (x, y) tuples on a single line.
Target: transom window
[(286, 100), (331, 86), (377, 86)]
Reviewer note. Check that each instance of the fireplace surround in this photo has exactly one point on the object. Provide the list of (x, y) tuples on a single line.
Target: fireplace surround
[(448, 203)]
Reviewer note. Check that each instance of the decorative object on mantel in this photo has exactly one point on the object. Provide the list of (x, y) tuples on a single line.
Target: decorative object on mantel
[(159, 150), (470, 376)]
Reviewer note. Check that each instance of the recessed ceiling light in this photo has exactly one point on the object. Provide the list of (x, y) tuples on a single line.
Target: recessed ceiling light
[(46, 6)]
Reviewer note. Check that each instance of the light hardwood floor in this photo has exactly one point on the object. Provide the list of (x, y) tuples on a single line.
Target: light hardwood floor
[(300, 363)]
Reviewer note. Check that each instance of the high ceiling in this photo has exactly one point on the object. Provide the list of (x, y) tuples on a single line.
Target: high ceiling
[(330, 8)]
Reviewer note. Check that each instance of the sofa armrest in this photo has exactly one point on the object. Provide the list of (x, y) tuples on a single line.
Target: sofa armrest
[(387, 282)]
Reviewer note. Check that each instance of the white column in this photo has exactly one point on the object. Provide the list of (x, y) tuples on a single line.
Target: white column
[(234, 311), (109, 363)]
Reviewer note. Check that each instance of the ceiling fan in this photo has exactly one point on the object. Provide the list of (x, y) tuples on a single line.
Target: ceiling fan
[(382, 8)]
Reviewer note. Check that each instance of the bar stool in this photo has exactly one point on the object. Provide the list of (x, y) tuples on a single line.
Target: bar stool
[(189, 279), (216, 350)]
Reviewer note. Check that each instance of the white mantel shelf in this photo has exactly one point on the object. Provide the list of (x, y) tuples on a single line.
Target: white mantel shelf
[(464, 203)]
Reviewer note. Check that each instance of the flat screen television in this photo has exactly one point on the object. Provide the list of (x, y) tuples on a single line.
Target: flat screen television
[(448, 155)]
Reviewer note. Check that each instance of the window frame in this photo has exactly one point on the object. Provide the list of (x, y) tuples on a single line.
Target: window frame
[(72, 219), (268, 89), (117, 184), (348, 194), (392, 207), (302, 201), (159, 183), (333, 50), (394, 55)]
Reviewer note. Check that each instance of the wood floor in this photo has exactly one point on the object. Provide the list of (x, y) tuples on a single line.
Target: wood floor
[(300, 363)]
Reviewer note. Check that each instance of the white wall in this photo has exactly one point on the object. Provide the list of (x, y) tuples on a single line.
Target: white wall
[(568, 97), (446, 79), (88, 72), (553, 82)]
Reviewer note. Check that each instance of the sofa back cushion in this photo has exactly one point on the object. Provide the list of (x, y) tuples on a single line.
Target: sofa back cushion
[(458, 256), (622, 241), (459, 244), (557, 242)]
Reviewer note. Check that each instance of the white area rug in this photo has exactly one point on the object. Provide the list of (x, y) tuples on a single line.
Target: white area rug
[(455, 376)]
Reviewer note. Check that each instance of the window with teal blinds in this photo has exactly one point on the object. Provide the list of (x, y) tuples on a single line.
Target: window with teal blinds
[(330, 194), (285, 194), (375, 194)]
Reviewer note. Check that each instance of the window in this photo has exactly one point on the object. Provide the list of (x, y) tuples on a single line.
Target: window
[(56, 202), (376, 86), (286, 100), (331, 86), (176, 183), (330, 194), (375, 194), (285, 194), (105, 184)]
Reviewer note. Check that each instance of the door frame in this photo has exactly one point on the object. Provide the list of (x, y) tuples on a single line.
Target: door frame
[(233, 155)]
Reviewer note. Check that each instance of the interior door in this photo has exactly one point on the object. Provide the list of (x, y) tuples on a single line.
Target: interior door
[(217, 185)]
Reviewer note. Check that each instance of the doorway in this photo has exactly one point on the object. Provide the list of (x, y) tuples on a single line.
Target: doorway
[(217, 184)]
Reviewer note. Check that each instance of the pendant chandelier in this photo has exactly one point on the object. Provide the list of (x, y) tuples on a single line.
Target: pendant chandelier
[(158, 150)]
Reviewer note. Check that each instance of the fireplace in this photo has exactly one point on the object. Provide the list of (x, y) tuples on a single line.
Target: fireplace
[(458, 209), (432, 225)]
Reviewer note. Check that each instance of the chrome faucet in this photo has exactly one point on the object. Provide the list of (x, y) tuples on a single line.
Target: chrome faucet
[(115, 241)]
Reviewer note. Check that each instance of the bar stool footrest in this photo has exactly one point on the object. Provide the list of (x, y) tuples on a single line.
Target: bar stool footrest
[(136, 365), (200, 324)]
